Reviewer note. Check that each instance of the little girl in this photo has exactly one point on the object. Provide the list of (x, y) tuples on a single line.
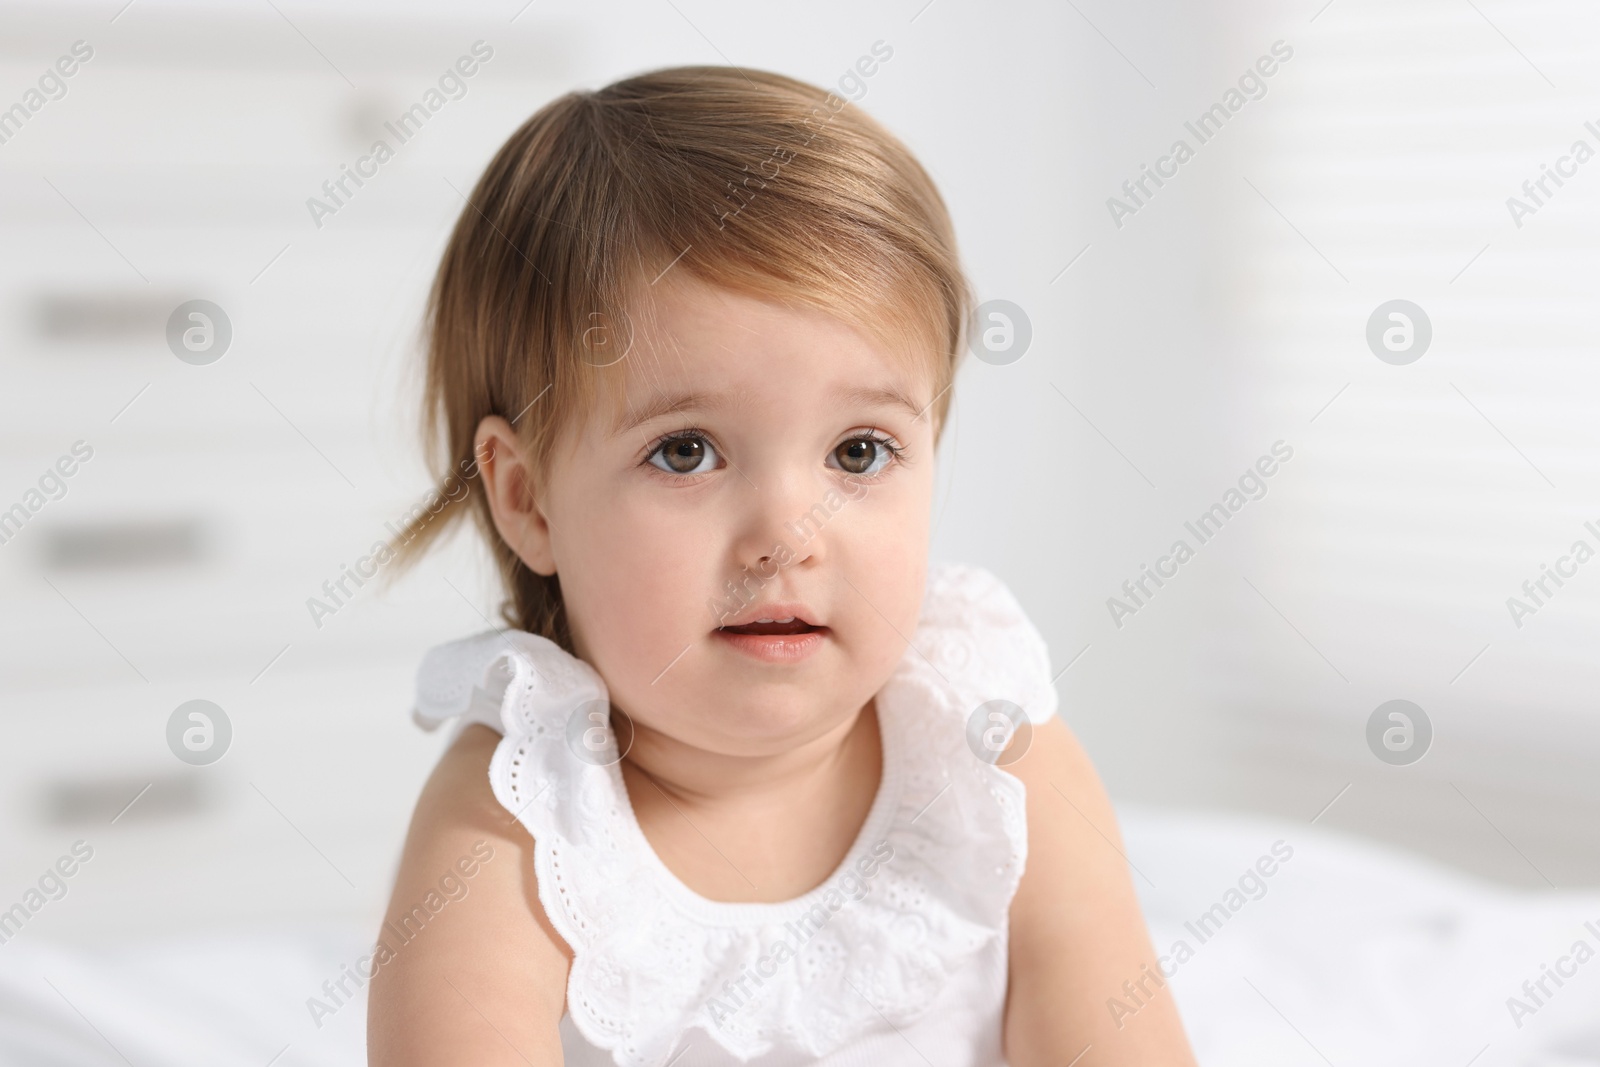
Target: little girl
[(745, 781)]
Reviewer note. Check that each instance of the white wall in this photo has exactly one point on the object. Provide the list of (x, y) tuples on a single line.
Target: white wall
[(1225, 316)]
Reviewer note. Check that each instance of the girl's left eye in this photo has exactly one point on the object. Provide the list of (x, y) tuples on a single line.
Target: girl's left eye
[(688, 453), (866, 454)]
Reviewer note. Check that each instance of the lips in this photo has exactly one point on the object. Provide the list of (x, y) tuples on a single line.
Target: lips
[(772, 637)]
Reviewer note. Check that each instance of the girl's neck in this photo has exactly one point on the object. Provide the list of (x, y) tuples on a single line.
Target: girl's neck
[(755, 828), (696, 778)]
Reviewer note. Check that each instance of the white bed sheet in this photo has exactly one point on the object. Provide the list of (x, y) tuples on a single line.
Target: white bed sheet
[(1353, 955)]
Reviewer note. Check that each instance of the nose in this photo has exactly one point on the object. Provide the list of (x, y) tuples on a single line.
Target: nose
[(782, 523)]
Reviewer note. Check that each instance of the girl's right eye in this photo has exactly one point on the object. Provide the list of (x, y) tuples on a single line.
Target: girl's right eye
[(688, 453)]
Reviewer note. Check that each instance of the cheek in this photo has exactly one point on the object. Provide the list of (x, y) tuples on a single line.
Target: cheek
[(881, 543), (636, 578)]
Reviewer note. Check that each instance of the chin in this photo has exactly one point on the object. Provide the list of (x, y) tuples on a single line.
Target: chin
[(762, 727)]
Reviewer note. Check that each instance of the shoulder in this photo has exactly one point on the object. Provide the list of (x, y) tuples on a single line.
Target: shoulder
[(1077, 932), (1064, 791), (500, 953), (1075, 848)]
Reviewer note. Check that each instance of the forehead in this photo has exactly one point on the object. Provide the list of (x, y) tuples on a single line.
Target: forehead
[(696, 347)]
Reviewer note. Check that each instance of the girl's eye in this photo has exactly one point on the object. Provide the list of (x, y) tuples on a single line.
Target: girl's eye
[(687, 454), (864, 455)]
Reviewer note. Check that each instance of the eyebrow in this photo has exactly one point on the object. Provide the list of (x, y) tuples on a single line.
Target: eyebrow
[(890, 397), (674, 403), (666, 404)]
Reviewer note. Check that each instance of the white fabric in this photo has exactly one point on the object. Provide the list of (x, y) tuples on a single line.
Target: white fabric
[(899, 957)]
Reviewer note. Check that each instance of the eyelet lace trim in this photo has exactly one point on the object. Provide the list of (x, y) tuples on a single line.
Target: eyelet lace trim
[(651, 959)]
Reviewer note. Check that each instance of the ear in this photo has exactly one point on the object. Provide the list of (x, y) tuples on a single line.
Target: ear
[(508, 481)]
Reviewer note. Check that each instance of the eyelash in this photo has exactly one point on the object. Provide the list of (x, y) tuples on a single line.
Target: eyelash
[(896, 452)]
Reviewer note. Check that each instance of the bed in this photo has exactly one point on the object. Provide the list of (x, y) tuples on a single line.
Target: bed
[(1346, 953)]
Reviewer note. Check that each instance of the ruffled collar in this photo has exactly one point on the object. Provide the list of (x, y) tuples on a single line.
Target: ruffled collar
[(927, 883)]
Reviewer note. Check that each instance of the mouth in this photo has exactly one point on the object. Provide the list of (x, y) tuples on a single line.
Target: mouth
[(773, 640), (773, 627)]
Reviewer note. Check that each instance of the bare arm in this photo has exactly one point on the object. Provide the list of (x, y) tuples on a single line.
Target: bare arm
[(1077, 932), (482, 979)]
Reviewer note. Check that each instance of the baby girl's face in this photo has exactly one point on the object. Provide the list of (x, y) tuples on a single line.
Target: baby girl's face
[(776, 449)]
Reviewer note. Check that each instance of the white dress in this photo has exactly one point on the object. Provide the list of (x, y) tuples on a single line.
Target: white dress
[(898, 957)]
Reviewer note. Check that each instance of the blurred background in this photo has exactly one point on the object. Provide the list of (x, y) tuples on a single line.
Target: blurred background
[(1179, 331)]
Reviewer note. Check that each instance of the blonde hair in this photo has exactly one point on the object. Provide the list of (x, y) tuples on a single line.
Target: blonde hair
[(746, 180)]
